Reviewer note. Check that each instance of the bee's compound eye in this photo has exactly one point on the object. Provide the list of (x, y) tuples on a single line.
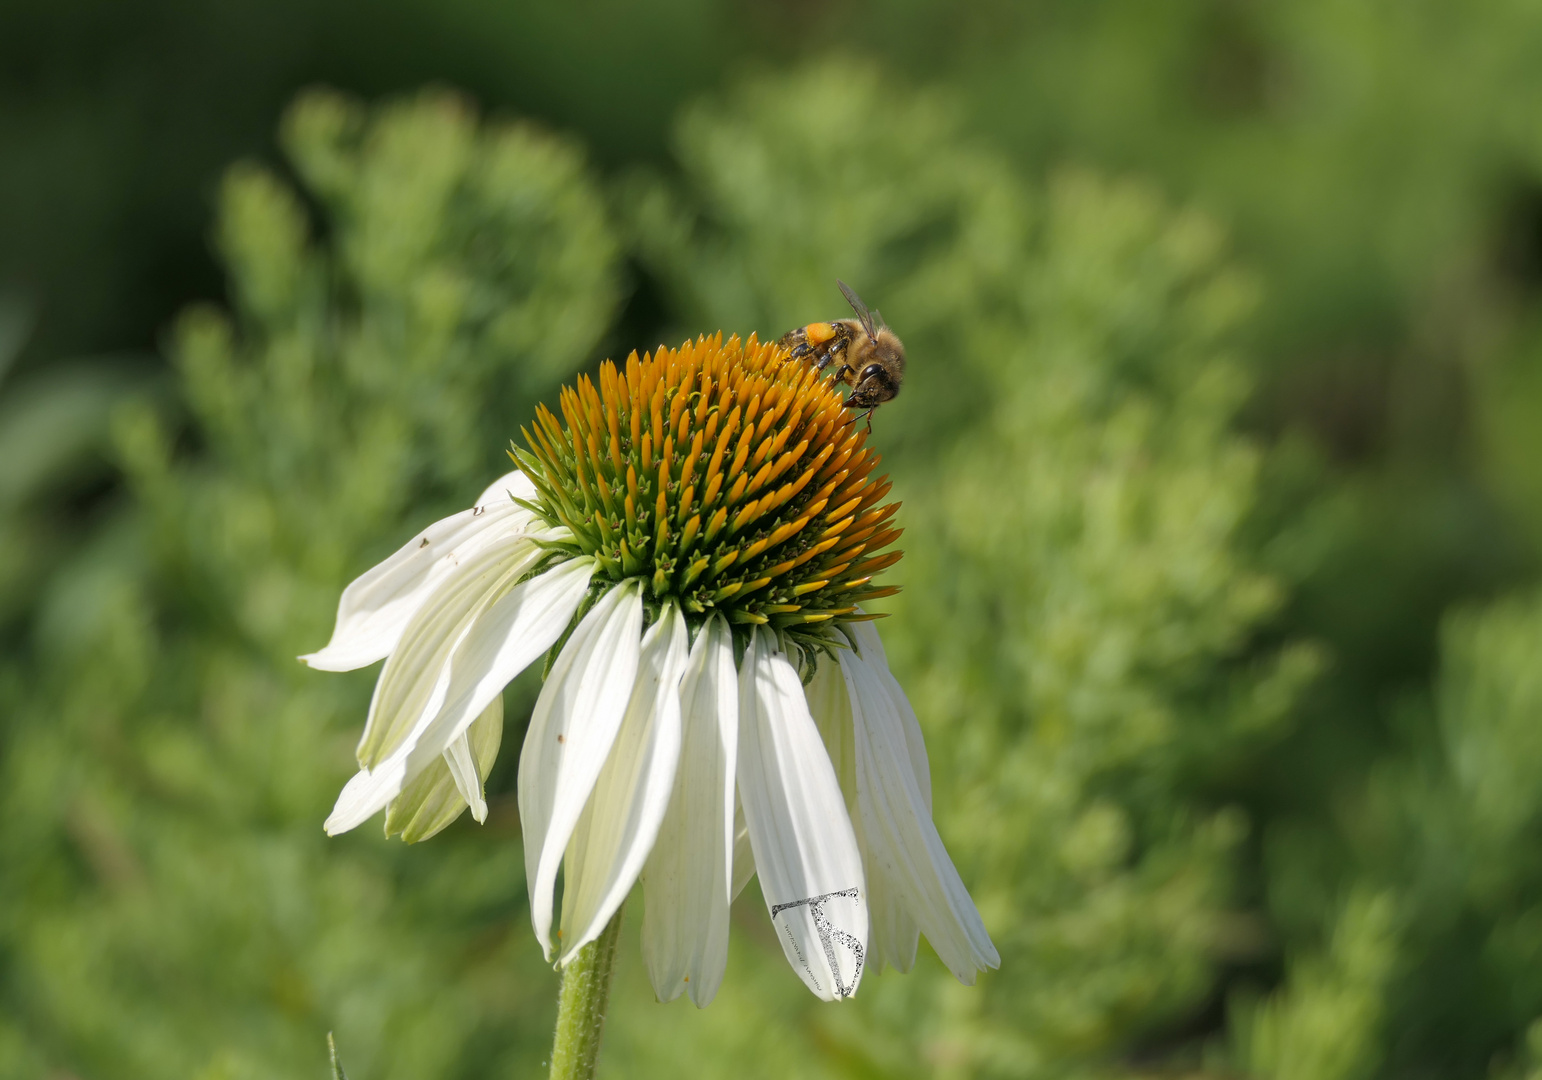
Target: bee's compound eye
[(871, 370)]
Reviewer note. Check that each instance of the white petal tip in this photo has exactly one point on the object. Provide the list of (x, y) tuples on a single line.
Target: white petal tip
[(329, 660)]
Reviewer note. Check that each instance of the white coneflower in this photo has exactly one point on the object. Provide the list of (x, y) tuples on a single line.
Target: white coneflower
[(693, 539)]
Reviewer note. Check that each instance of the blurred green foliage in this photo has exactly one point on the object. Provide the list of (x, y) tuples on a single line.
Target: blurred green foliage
[(1219, 448), (172, 908)]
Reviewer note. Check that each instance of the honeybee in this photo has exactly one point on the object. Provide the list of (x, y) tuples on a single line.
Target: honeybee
[(871, 358)]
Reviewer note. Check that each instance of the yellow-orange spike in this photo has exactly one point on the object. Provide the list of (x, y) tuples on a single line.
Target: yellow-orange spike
[(758, 583), (742, 453), (835, 530), (770, 448), (747, 514), (634, 375), (787, 461), (758, 481), (815, 551), (876, 515), (766, 421), (688, 472), (723, 438), (688, 534), (551, 431), (873, 564), (736, 492), (811, 471), (837, 462), (784, 531), (852, 541), (605, 495), (615, 435), (816, 507), (877, 491), (844, 509), (666, 463), (677, 405), (656, 412), (716, 522), (539, 440), (756, 548)]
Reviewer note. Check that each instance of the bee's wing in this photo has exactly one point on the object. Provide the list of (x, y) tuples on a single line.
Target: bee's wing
[(859, 307)]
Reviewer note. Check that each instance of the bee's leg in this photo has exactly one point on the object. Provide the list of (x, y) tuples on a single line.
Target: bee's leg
[(846, 375), (869, 418)]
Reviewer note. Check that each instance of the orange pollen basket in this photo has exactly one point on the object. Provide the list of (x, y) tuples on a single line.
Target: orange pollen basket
[(727, 476)]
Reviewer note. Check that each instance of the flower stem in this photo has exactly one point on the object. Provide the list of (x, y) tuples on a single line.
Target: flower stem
[(581, 1006)]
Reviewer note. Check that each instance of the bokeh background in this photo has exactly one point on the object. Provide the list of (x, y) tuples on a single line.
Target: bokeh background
[(1221, 450)]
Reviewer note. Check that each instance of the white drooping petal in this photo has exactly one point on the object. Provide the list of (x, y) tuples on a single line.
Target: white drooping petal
[(744, 855), (830, 707), (870, 648), (509, 635), (902, 842), (375, 608), (416, 677), (806, 853), (688, 883), (468, 781), (546, 604), (571, 731), (617, 830), (435, 798), (892, 933)]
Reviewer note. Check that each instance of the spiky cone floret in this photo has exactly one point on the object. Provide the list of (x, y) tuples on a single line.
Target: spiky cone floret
[(689, 546)]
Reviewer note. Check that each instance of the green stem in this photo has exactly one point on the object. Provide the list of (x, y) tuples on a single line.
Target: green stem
[(581, 1006)]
